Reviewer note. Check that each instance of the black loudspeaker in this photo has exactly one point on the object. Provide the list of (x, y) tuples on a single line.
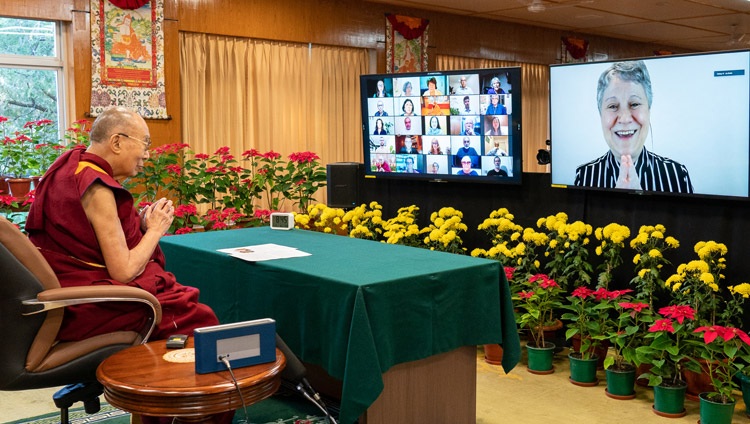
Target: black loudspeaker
[(344, 184)]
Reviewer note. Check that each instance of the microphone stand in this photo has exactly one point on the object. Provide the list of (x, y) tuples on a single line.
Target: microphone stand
[(296, 372)]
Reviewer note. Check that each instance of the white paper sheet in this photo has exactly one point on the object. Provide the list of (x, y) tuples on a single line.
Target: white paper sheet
[(264, 252)]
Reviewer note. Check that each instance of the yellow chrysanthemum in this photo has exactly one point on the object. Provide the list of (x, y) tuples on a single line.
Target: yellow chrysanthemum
[(742, 289), (672, 242)]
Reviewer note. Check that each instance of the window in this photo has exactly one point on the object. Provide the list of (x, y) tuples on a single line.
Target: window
[(31, 71)]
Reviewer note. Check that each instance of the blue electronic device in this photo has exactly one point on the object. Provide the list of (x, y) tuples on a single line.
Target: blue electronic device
[(242, 343)]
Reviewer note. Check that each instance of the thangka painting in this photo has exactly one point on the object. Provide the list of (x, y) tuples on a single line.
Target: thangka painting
[(406, 43), (128, 58)]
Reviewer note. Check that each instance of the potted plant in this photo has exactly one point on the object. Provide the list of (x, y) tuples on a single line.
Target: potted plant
[(403, 229), (512, 245), (588, 321), (697, 283), (727, 351), (650, 245), (538, 303), (567, 250), (306, 176), (79, 134), (625, 335), (17, 174), (324, 219), (612, 240), (443, 233), (364, 221), (667, 350), (9, 208), (44, 148)]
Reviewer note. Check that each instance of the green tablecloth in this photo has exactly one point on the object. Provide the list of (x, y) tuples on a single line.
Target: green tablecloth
[(354, 307)]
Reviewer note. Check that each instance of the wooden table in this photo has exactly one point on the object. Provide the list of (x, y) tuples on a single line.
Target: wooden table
[(141, 381)]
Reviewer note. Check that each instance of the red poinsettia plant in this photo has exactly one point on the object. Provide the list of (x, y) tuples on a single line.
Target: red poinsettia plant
[(668, 348), (539, 302), (589, 317), (626, 334), (11, 208), (727, 352), (296, 179)]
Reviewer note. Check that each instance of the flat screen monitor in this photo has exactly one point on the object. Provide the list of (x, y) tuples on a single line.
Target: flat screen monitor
[(668, 124), (461, 125)]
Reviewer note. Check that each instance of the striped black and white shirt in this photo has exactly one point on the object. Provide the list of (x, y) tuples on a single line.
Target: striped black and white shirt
[(655, 172)]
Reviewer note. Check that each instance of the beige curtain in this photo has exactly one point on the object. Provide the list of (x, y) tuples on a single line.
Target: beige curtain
[(246, 93), (535, 108)]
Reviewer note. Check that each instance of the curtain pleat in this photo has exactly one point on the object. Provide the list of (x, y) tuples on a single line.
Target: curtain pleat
[(535, 98), (286, 97)]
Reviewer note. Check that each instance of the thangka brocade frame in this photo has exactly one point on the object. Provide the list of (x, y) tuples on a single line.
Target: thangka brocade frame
[(406, 44), (127, 47)]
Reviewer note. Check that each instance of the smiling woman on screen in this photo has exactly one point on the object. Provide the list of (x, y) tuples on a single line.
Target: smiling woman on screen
[(624, 100)]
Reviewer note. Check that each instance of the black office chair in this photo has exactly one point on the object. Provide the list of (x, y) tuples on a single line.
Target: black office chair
[(31, 312)]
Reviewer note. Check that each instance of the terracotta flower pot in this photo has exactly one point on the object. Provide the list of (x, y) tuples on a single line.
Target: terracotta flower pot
[(19, 187), (698, 383), (550, 332), (493, 354)]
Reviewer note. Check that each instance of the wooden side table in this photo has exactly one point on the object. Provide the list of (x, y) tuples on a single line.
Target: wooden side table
[(139, 380)]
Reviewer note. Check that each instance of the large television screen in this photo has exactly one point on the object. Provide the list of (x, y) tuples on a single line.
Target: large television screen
[(443, 126), (668, 124)]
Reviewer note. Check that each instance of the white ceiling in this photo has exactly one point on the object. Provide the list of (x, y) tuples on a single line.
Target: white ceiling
[(700, 25)]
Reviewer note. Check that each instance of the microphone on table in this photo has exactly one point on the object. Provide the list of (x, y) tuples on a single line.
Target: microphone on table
[(296, 372)]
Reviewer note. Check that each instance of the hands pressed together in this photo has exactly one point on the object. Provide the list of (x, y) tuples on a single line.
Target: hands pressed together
[(628, 178), (158, 216)]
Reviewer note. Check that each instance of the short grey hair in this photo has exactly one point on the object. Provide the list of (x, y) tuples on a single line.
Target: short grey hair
[(112, 119), (633, 71)]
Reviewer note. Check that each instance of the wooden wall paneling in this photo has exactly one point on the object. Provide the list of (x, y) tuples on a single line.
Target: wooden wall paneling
[(58, 10), (363, 25), (170, 130)]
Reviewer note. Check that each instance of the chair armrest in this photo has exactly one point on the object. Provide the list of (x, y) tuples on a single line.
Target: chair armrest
[(68, 296)]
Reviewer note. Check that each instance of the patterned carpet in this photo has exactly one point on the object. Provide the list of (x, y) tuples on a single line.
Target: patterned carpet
[(279, 409)]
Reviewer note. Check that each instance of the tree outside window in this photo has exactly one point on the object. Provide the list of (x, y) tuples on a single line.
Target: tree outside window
[(31, 69)]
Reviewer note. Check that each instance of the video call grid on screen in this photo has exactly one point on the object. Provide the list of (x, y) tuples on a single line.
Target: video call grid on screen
[(699, 117), (436, 119)]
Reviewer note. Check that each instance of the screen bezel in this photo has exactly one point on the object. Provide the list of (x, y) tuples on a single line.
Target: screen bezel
[(706, 157), (446, 79)]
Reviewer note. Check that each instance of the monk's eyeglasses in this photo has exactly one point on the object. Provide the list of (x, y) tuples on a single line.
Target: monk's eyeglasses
[(146, 141)]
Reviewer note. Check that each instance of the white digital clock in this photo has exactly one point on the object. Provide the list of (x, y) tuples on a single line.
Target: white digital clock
[(282, 220)]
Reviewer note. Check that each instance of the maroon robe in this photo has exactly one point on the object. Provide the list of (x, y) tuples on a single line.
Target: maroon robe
[(58, 225)]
